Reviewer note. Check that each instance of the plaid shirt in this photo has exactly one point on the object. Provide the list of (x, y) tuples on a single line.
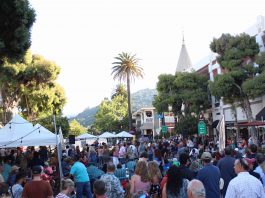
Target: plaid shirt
[(94, 172)]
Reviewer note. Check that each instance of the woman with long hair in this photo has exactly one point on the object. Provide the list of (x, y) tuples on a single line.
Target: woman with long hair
[(155, 178), (176, 186), (140, 180)]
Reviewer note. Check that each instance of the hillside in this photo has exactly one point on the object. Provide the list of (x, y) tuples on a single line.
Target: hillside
[(140, 99)]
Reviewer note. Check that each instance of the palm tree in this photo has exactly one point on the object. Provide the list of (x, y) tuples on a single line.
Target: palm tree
[(125, 69)]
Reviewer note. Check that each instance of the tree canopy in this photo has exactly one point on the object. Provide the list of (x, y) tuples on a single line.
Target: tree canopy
[(112, 114), (16, 20), (76, 128), (187, 90), (126, 68), (30, 86), (243, 71)]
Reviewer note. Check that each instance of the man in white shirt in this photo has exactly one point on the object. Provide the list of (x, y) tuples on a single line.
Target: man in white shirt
[(244, 185)]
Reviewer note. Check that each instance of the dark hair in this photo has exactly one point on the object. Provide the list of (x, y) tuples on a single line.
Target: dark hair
[(183, 158), (253, 148), (99, 187), (144, 155), (244, 164), (20, 176), (110, 167), (174, 180), (228, 150), (260, 158), (119, 165), (207, 160)]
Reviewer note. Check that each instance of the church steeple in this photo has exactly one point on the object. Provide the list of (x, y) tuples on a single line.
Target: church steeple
[(184, 62)]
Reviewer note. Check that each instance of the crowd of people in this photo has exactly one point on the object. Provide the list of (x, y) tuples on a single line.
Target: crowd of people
[(168, 168)]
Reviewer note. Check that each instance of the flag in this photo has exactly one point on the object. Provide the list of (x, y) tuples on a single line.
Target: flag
[(221, 129)]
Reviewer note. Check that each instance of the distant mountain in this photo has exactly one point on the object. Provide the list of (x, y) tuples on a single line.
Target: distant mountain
[(139, 99)]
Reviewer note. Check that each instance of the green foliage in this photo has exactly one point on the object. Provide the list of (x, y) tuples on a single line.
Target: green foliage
[(16, 20), (125, 69), (189, 89), (182, 88), (126, 66), (76, 128), (61, 121), (187, 125), (112, 114), (243, 79), (120, 90), (30, 86)]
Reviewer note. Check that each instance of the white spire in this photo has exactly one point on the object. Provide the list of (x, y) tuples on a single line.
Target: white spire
[(184, 62)]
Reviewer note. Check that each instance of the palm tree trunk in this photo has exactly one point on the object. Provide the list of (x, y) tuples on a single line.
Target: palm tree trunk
[(129, 102)]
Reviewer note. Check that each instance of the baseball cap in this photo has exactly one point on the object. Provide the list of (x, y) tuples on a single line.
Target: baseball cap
[(36, 170), (206, 155)]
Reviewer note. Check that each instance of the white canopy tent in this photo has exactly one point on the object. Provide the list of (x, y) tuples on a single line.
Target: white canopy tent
[(124, 134), (107, 135), (19, 132), (85, 136)]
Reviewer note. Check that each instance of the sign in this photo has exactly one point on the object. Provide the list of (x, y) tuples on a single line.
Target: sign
[(202, 128), (164, 129)]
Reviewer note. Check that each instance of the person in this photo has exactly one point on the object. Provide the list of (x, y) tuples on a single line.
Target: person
[(36, 160), (244, 184), (196, 189), (210, 176), (184, 162), (226, 167), (79, 172), (68, 187), (176, 185), (120, 172), (113, 185), (3, 185), (155, 176), (37, 187), (6, 168), (143, 157), (260, 158), (122, 154), (251, 171), (17, 188), (99, 189), (140, 181)]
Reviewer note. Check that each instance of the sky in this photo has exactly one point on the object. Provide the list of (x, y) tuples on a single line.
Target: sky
[(84, 36)]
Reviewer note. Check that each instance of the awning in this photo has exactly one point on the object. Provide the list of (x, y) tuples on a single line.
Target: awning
[(215, 123), (261, 115), (254, 123)]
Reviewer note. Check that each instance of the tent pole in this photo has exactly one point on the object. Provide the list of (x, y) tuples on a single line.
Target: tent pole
[(58, 152)]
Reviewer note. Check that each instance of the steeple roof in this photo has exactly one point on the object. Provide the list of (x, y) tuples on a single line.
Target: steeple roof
[(184, 62)]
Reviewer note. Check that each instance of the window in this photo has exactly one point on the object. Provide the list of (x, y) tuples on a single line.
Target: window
[(148, 113)]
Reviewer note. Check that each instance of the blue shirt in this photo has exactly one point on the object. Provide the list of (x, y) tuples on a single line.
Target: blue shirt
[(79, 172), (210, 176), (6, 171), (94, 172)]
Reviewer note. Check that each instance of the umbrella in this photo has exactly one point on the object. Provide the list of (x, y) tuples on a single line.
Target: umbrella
[(107, 135), (124, 134), (85, 136)]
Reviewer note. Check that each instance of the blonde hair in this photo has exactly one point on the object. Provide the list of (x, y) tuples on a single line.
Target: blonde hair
[(154, 170), (141, 170), (67, 183)]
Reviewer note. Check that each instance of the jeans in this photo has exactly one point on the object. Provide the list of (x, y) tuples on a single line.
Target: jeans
[(83, 188)]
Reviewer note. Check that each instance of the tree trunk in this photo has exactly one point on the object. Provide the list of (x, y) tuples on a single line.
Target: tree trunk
[(250, 118), (129, 102), (10, 107)]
